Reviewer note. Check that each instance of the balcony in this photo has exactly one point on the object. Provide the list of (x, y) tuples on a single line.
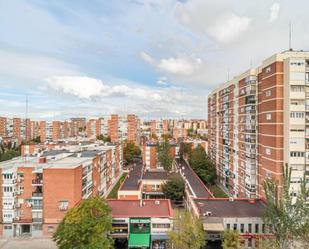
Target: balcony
[(37, 220), (37, 182), (37, 194), (37, 207)]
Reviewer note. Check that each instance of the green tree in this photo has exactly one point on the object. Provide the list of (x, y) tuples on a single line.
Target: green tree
[(164, 156), (103, 138), (231, 239), (185, 149), (131, 151), (187, 232), (289, 218), (202, 165), (174, 189), (86, 226)]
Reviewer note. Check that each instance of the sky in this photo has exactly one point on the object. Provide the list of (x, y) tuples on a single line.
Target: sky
[(154, 58)]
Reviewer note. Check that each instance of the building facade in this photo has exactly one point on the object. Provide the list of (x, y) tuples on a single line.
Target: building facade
[(258, 122)]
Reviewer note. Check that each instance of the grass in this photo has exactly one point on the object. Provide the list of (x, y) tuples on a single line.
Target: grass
[(217, 192), (114, 193)]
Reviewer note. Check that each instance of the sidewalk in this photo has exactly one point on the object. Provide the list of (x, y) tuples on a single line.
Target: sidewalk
[(27, 243)]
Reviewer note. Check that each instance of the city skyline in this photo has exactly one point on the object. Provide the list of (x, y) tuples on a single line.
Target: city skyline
[(104, 58)]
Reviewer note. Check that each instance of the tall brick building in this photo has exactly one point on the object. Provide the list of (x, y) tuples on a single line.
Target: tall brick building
[(258, 122)]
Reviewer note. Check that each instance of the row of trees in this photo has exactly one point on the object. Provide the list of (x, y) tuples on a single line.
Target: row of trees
[(200, 162), (131, 151)]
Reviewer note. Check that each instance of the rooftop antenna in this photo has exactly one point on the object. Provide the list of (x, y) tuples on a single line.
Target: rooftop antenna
[(26, 107), (251, 64), (228, 74), (290, 36)]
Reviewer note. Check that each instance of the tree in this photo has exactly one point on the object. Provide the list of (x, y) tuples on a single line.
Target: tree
[(185, 149), (288, 217), (86, 226), (104, 139), (174, 189), (187, 232), (202, 165), (164, 156), (231, 239), (131, 151)]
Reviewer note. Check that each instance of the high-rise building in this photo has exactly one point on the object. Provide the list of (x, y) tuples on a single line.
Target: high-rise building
[(259, 121)]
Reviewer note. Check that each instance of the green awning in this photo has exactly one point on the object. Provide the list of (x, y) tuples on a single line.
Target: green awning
[(139, 240)]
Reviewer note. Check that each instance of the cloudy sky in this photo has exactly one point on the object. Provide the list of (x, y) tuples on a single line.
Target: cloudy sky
[(155, 58)]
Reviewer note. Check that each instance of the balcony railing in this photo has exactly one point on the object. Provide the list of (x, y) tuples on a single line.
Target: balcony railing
[(37, 207), (37, 194), (37, 181), (37, 219)]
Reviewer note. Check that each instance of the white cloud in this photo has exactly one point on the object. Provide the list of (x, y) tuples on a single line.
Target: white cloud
[(274, 12), (82, 87), (180, 65)]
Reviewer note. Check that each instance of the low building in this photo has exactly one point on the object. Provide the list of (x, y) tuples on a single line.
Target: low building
[(141, 223), (244, 215)]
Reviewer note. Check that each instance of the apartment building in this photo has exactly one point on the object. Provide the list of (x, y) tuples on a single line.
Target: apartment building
[(258, 122), (150, 154), (179, 133), (33, 200), (159, 128)]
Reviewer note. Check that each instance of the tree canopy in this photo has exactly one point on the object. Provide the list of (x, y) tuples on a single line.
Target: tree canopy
[(187, 232), (288, 215), (131, 151), (202, 165), (104, 138), (174, 189), (231, 239), (86, 226), (164, 156)]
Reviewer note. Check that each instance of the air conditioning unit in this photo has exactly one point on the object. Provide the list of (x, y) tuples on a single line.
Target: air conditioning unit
[(208, 213), (157, 202)]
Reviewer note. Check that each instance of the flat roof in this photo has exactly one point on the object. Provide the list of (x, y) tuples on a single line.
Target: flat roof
[(132, 180), (159, 175), (225, 207), (159, 208)]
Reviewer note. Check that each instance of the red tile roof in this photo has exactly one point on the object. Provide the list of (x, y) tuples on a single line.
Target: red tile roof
[(159, 208)]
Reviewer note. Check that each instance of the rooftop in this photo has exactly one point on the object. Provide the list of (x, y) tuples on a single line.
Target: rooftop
[(132, 208), (159, 175), (225, 207)]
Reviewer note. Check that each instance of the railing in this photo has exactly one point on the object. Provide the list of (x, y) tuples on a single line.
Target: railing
[(37, 194), (37, 207), (37, 181), (37, 219)]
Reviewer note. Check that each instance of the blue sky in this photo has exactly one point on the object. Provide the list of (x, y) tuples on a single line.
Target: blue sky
[(155, 58)]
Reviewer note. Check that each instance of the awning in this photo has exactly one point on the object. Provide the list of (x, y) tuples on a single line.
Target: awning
[(139, 240), (213, 227)]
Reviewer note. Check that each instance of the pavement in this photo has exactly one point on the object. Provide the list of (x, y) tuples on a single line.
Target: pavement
[(27, 243), (197, 186)]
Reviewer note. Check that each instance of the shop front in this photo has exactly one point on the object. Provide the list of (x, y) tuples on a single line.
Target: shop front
[(139, 236)]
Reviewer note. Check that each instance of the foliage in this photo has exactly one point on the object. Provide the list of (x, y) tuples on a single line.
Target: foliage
[(187, 232), (164, 156), (131, 151), (202, 165), (217, 191), (191, 133), (86, 226), (231, 239), (36, 140), (8, 151), (289, 218), (267, 243), (166, 137), (174, 189), (114, 193), (104, 139), (185, 149)]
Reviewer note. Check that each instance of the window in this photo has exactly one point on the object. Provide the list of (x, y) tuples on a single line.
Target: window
[(7, 227), (297, 154), (37, 227), (268, 151), (268, 116), (161, 225), (297, 114), (50, 229), (263, 228), (268, 93), (228, 226), (235, 227), (256, 228), (249, 228), (242, 228), (268, 69), (297, 88), (63, 205)]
